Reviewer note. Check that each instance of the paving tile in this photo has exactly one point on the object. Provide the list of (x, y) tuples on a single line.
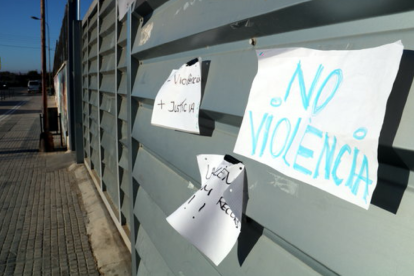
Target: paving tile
[(42, 230)]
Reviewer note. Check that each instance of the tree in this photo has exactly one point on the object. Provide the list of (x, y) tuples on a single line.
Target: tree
[(33, 75)]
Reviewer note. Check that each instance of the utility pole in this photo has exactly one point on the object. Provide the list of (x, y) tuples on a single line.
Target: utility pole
[(46, 138)]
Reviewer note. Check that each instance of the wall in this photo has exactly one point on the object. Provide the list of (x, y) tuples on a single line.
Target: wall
[(61, 99), (144, 172)]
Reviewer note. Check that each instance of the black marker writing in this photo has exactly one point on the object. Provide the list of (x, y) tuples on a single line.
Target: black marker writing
[(226, 208), (205, 189), (186, 81), (221, 173), (182, 107), (191, 199), (161, 104)]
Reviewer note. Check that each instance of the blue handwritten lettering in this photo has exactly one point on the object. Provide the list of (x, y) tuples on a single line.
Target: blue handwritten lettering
[(266, 134), (306, 152), (360, 133), (335, 177), (287, 122), (329, 154), (305, 96), (325, 160), (316, 108), (255, 134), (275, 102), (289, 144)]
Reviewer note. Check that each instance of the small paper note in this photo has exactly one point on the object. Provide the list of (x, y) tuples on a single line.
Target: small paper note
[(211, 218), (178, 101)]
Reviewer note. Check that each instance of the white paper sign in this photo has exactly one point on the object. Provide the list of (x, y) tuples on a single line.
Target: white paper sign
[(211, 218), (123, 6), (178, 101), (316, 116)]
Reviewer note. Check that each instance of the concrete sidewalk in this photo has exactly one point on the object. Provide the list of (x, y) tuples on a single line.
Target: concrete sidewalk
[(43, 227)]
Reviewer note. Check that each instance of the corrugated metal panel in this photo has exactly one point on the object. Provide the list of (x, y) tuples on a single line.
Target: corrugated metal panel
[(93, 85), (103, 67), (125, 175), (85, 98), (107, 90), (291, 228)]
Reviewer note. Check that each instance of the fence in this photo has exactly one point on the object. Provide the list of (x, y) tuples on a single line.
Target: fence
[(145, 172), (7, 93)]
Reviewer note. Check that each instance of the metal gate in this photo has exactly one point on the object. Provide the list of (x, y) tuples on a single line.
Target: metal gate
[(145, 172)]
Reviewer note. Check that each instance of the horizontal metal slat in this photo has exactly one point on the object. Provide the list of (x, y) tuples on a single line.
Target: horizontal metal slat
[(108, 143), (150, 257), (122, 64), (106, 7), (123, 161), (94, 100), (107, 43), (108, 83), (122, 88), (123, 109), (107, 22), (108, 124), (178, 14), (93, 67), (122, 38), (108, 103)]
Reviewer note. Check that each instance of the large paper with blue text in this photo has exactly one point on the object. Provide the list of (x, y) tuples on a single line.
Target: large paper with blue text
[(177, 103), (316, 116), (211, 218)]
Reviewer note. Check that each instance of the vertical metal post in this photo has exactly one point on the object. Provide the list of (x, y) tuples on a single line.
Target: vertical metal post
[(77, 90), (71, 90), (118, 182), (89, 91), (98, 84), (129, 122), (74, 67), (78, 11)]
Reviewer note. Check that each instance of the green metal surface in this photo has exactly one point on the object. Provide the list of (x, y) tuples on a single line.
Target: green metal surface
[(290, 228)]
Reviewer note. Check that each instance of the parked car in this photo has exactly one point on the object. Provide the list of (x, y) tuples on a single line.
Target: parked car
[(33, 86)]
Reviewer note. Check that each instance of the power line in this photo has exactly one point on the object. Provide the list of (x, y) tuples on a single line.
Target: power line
[(18, 46), (25, 36), (21, 38)]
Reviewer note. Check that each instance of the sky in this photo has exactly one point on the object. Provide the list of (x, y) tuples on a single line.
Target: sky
[(20, 34)]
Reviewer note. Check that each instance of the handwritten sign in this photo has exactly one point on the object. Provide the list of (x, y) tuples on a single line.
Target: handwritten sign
[(178, 101), (211, 218), (316, 116)]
